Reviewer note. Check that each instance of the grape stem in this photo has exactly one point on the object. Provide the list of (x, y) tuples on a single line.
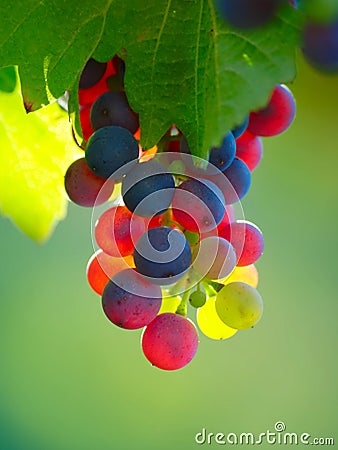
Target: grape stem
[(182, 308)]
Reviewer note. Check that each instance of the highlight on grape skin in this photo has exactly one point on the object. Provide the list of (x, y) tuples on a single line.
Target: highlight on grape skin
[(129, 301), (239, 305), (170, 341)]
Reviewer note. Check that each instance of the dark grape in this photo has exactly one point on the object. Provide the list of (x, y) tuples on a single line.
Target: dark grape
[(248, 14), (109, 149), (239, 130), (239, 177), (162, 254), (247, 240), (83, 186), (148, 189), (320, 45), (249, 149), (92, 73), (129, 301), (117, 231), (198, 205), (222, 156), (112, 108), (277, 116), (170, 341)]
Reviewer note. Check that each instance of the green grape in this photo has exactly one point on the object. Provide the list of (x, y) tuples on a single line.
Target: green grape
[(197, 299), (169, 304), (210, 324), (239, 305)]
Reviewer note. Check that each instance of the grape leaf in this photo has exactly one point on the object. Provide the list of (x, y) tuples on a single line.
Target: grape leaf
[(184, 64), (35, 150), (7, 79)]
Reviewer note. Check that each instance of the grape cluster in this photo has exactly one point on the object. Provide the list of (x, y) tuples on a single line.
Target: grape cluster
[(168, 227)]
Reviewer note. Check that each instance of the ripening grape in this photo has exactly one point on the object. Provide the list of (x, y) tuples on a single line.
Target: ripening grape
[(112, 108), (210, 324), (162, 254), (92, 73), (109, 149), (247, 14), (101, 267), (214, 258), (228, 218), (129, 301), (247, 240), (83, 186), (249, 150), (198, 205), (148, 189), (320, 45), (245, 274), (170, 341), (277, 116), (117, 231), (239, 180), (239, 305)]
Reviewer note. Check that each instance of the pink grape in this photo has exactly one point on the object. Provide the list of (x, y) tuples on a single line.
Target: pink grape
[(277, 116), (129, 301), (170, 341), (249, 149), (247, 240), (101, 267), (83, 186), (117, 231)]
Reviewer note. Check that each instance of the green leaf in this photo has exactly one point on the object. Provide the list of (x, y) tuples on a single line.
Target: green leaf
[(7, 79), (184, 64), (35, 151)]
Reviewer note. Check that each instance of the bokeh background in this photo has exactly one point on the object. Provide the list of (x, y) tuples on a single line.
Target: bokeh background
[(70, 380)]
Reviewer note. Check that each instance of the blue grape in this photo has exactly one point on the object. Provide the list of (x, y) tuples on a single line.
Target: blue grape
[(112, 108), (198, 205), (320, 45), (239, 130), (130, 301), (238, 174), (248, 14), (162, 254), (92, 73), (222, 156), (109, 149), (148, 189)]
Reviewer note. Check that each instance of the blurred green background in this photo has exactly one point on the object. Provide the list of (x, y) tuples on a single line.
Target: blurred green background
[(70, 380)]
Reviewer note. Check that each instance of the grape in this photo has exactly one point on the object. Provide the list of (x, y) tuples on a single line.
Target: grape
[(197, 299), (83, 186), (148, 189), (109, 149), (117, 231), (249, 150), (239, 305), (320, 45), (210, 324), (246, 274), (239, 130), (239, 178), (247, 240), (228, 218), (277, 116), (198, 205), (170, 341), (215, 258), (248, 14), (92, 73), (86, 126), (124, 307), (163, 254), (101, 267), (222, 156), (112, 108)]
